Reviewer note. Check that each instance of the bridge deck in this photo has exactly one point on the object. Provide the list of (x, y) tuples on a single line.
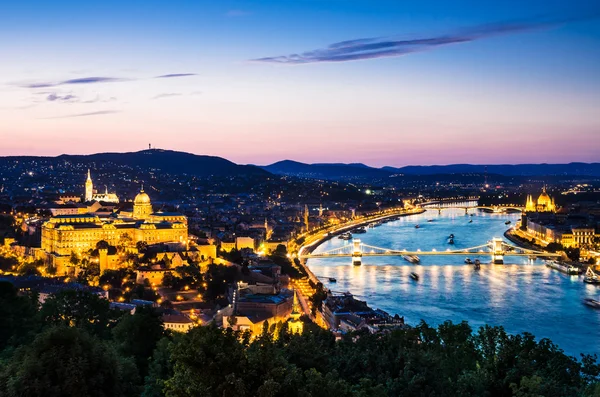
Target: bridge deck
[(429, 253)]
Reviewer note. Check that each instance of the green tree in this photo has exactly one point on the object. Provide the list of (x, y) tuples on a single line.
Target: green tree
[(208, 362), (142, 247), (136, 336), (65, 361), (78, 308), (18, 316)]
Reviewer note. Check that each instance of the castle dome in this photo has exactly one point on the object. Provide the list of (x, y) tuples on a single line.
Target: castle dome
[(141, 198)]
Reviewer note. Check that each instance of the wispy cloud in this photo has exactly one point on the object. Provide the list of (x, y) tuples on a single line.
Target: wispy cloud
[(82, 80), (237, 13), (54, 97), (97, 113), (167, 95), (167, 76), (385, 47), (95, 80)]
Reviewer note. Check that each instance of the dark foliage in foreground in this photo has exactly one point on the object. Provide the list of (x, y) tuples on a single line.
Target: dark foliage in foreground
[(57, 350)]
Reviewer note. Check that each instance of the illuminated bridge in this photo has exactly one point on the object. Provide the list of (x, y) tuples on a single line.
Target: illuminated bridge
[(496, 248), (493, 208)]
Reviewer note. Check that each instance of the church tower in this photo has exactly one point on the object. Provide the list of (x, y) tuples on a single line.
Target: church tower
[(306, 218), (295, 325), (89, 187)]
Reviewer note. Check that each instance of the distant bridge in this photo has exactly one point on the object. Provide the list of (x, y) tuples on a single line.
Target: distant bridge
[(493, 208), (496, 248)]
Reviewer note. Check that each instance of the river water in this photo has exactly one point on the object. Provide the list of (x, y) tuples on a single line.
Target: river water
[(520, 296)]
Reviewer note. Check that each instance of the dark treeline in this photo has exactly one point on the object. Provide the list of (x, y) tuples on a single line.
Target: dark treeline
[(75, 345)]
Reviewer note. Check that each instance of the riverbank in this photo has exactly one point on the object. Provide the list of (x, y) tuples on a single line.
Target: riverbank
[(513, 238), (310, 247)]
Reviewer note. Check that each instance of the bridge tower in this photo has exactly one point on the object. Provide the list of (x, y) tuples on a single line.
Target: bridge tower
[(356, 252), (497, 251)]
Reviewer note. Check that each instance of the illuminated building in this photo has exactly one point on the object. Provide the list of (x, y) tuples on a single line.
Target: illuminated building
[(66, 234), (544, 203), (295, 325), (104, 197)]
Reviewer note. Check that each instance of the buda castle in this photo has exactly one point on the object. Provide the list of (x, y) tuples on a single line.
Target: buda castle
[(66, 234)]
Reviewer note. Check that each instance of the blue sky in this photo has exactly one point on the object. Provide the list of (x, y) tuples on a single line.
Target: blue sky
[(502, 83)]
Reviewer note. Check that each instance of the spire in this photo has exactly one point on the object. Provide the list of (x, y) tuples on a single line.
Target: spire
[(296, 309), (306, 225), (106, 190), (142, 190), (89, 178)]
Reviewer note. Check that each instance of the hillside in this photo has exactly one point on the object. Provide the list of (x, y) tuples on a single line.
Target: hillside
[(167, 161)]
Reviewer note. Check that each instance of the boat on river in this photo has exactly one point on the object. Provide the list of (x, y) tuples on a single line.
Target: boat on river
[(414, 276), (332, 280), (359, 230), (450, 240), (477, 265), (591, 277), (470, 220), (417, 226), (507, 222), (562, 267), (412, 258), (591, 303), (345, 236), (429, 220), (468, 261)]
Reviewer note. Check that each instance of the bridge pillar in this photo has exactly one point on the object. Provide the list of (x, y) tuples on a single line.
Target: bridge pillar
[(356, 252), (497, 251)]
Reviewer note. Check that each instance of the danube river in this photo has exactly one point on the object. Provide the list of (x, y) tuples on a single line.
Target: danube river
[(517, 295)]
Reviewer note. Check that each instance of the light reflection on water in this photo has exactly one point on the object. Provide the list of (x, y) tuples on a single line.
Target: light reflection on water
[(517, 295)]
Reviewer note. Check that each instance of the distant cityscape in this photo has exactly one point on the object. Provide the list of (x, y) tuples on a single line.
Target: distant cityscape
[(83, 223)]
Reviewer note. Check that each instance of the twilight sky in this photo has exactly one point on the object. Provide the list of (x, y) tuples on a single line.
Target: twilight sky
[(379, 82)]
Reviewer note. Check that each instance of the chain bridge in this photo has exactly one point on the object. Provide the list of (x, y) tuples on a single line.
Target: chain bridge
[(496, 248)]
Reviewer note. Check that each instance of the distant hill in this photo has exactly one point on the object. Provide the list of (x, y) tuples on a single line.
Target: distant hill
[(575, 169), (326, 171), (168, 161), (358, 171)]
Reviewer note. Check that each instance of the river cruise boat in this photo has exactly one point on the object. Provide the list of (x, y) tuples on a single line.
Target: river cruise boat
[(470, 220), (507, 223), (345, 236), (414, 276), (429, 220), (412, 258), (417, 226), (562, 267), (592, 303), (451, 235), (468, 261), (477, 265), (332, 280), (450, 241), (359, 230), (591, 277), (477, 262)]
